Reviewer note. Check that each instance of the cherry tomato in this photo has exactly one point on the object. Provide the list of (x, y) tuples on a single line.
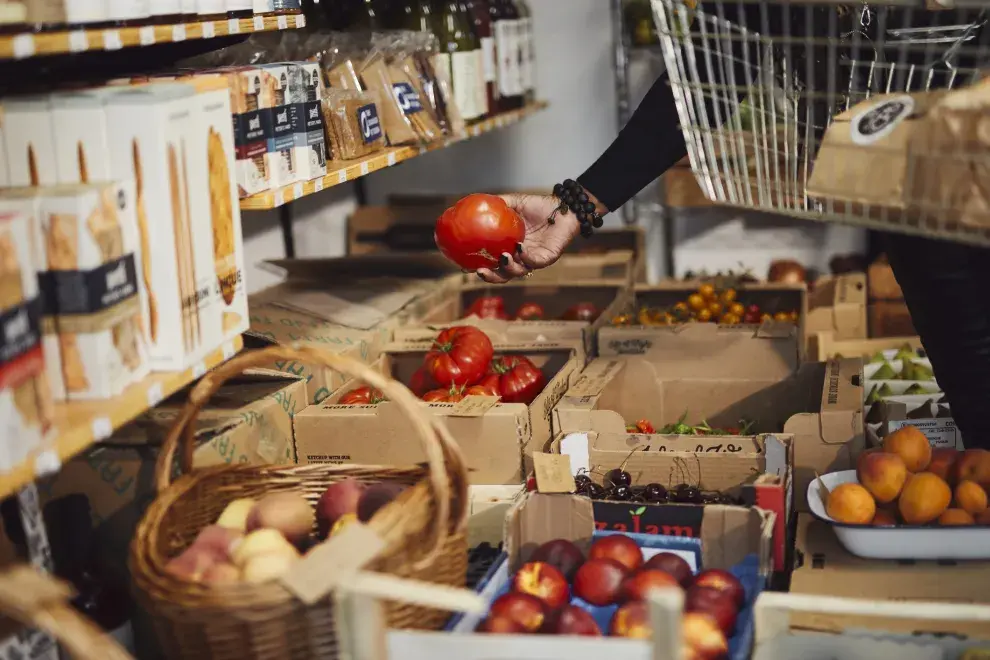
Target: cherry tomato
[(530, 312), (488, 307), (781, 317), (583, 311), (715, 308), (477, 230), (728, 296), (642, 426), (795, 316), (362, 396), (460, 356), (519, 380), (421, 382), (753, 309), (450, 395), (696, 302), (737, 309), (706, 291), (703, 315)]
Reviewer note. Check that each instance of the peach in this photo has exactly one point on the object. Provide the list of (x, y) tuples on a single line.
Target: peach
[(955, 517), (883, 475), (638, 585), (288, 513), (338, 500), (235, 515), (526, 610), (501, 625), (543, 581), (716, 604), (703, 636), (970, 497), (632, 621), (862, 457), (619, 548), (943, 463), (884, 518), (911, 445), (923, 499), (222, 573), (192, 564), (973, 465), (218, 540), (851, 504)]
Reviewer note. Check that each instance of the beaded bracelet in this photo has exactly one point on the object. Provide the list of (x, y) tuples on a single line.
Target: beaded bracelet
[(574, 198)]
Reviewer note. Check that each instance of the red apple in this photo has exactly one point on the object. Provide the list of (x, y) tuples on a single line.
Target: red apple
[(338, 500), (502, 625), (637, 585), (716, 578), (632, 620), (676, 565), (543, 581), (618, 548), (571, 620), (375, 497), (562, 555), (714, 603), (599, 581), (526, 610), (702, 636)]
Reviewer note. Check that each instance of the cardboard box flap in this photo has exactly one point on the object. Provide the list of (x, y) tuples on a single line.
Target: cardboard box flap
[(547, 517), (730, 533), (838, 305)]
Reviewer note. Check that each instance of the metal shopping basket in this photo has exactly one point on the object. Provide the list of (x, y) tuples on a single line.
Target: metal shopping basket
[(759, 85)]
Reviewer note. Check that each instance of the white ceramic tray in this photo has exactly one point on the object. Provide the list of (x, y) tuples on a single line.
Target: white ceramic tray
[(905, 541)]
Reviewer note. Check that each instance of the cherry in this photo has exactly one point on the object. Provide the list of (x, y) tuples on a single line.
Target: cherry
[(655, 493), (618, 477), (622, 493), (685, 494), (594, 491), (582, 479)]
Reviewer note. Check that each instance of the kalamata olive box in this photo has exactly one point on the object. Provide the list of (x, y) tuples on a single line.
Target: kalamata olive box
[(497, 440)]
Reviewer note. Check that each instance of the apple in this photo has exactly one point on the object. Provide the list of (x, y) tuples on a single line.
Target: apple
[(673, 564), (704, 637), (501, 625), (640, 583), (723, 581), (562, 555), (526, 610), (571, 620), (375, 497), (542, 580), (714, 603), (338, 500), (631, 620), (599, 581), (618, 548)]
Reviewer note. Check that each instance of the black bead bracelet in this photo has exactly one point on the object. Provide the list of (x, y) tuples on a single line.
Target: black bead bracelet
[(575, 199)]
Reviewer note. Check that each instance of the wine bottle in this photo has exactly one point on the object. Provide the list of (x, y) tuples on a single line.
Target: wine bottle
[(415, 15), (528, 48), (460, 54), (477, 10), (363, 15), (506, 27)]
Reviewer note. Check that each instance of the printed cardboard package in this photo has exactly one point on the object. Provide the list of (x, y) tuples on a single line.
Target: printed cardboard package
[(309, 151), (29, 141), (250, 102), (281, 156), (80, 127), (91, 242)]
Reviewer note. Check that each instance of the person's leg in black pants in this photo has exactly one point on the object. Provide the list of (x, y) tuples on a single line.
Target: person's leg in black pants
[(943, 288)]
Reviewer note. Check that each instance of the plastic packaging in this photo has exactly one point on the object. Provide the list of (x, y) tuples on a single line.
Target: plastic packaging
[(353, 125)]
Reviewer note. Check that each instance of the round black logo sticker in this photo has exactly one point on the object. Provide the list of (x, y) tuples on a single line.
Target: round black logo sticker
[(877, 122)]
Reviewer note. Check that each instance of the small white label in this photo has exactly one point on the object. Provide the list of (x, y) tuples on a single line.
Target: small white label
[(102, 428), (342, 176), (878, 122), (259, 23), (941, 433), (111, 40), (283, 22), (23, 46), (575, 445), (300, 21), (297, 191), (199, 369), (364, 168), (209, 30), (46, 463), (233, 26), (155, 395), (178, 32), (279, 197), (146, 35), (318, 184), (391, 158), (78, 41), (228, 350)]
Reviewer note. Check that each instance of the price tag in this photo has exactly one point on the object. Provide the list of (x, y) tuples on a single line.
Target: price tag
[(102, 428), (46, 463), (233, 26), (146, 35), (155, 395), (23, 46), (297, 191), (391, 158), (178, 32), (342, 176), (318, 184), (473, 406), (283, 22), (300, 21), (323, 567), (199, 369), (259, 23), (209, 30), (279, 197), (78, 41), (228, 350), (111, 40), (364, 168), (553, 473)]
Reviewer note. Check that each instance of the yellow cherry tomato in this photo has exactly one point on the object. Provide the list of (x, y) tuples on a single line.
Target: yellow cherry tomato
[(781, 317), (696, 302), (715, 308), (707, 291), (738, 309), (704, 316), (729, 319), (728, 296)]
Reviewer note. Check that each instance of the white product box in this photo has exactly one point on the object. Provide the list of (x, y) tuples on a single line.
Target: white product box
[(91, 234), (129, 10), (153, 129), (281, 158), (250, 102), (30, 141), (67, 11), (80, 126), (309, 152), (211, 7)]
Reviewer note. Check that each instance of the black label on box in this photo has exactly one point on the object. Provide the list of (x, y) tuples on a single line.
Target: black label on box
[(281, 120), (92, 291), (371, 125), (639, 518), (407, 98), (252, 127), (20, 330), (46, 289)]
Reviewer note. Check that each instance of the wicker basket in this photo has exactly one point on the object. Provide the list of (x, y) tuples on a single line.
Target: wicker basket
[(423, 531)]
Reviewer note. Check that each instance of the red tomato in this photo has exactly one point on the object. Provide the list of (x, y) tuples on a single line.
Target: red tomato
[(519, 380), (421, 382), (450, 395), (530, 312), (477, 230), (488, 386), (581, 312), (460, 356), (362, 396), (488, 307)]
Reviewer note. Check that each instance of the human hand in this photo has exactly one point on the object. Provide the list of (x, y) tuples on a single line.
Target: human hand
[(544, 242)]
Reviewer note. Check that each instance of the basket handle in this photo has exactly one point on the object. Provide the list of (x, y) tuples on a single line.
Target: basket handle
[(447, 470), (41, 601)]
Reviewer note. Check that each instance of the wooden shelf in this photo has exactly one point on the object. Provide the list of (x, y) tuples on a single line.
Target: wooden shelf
[(78, 425), (31, 44), (339, 172)]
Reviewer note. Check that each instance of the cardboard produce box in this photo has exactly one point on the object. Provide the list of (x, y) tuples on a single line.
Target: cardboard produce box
[(724, 375), (637, 339), (837, 305), (488, 508), (497, 440), (555, 300), (824, 346)]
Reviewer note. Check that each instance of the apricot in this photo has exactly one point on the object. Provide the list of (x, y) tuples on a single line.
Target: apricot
[(883, 475), (983, 518), (862, 458), (943, 462), (923, 499), (970, 497), (911, 445), (973, 465), (851, 504), (955, 517), (884, 518)]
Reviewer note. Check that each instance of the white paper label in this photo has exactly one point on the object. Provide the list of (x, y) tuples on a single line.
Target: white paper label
[(297, 191), (507, 52), (228, 350), (318, 184), (941, 433), (488, 59), (283, 22), (342, 176), (155, 395), (259, 23), (364, 168), (78, 41), (879, 121), (179, 32), (209, 30), (233, 26), (525, 54), (300, 21), (111, 40), (465, 76), (102, 428), (199, 369), (23, 46), (391, 158), (146, 35), (279, 197)]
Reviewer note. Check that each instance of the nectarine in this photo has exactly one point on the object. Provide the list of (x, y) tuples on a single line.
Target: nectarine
[(673, 564), (562, 555), (973, 465), (970, 497), (571, 620), (235, 515), (943, 464), (542, 580), (192, 564), (955, 518), (221, 573), (640, 583), (716, 604), (911, 445), (883, 475), (598, 581), (923, 499), (851, 504), (375, 497), (218, 540), (632, 621), (704, 637), (862, 458), (501, 625), (724, 581), (337, 500), (525, 609), (620, 548)]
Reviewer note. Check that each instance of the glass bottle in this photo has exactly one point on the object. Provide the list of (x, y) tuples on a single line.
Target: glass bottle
[(477, 10), (528, 49), (460, 55), (415, 15), (505, 22)]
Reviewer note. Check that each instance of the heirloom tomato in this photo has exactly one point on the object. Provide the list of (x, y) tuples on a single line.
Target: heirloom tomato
[(449, 395), (460, 356), (530, 312), (487, 386), (519, 380), (421, 382), (477, 230), (488, 307), (584, 311), (362, 396)]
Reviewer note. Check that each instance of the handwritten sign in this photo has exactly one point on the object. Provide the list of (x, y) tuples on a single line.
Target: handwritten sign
[(473, 406), (553, 473)]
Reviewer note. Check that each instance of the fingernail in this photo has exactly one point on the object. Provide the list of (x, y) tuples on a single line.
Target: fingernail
[(503, 261), (519, 248)]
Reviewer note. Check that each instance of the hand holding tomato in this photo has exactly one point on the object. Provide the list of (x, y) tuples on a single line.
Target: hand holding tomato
[(476, 231), (460, 357)]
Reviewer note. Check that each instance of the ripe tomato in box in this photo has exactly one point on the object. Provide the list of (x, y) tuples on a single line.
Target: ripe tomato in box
[(487, 386), (477, 230), (488, 307), (460, 356), (584, 311), (519, 380), (362, 396), (530, 312), (421, 382), (449, 395)]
